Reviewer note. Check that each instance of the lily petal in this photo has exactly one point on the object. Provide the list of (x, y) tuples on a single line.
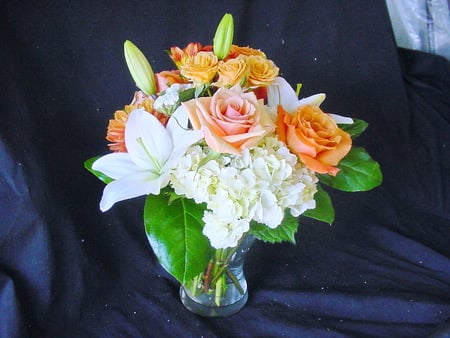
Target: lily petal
[(339, 119), (115, 165), (148, 142), (182, 137), (313, 100), (134, 185), (281, 92)]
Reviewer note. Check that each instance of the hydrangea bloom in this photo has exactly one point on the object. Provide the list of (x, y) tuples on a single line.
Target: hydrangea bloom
[(168, 101), (258, 185)]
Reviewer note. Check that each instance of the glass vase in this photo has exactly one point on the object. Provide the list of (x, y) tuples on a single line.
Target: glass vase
[(221, 290)]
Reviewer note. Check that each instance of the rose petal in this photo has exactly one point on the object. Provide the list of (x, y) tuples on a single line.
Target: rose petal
[(318, 167), (218, 144), (334, 156)]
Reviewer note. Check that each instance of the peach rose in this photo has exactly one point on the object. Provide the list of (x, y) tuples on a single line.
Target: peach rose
[(200, 68), (232, 72), (315, 137), (262, 71), (231, 119)]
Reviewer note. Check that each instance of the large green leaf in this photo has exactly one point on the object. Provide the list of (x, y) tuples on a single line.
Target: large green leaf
[(88, 165), (324, 210), (284, 232), (174, 231), (356, 128), (359, 172)]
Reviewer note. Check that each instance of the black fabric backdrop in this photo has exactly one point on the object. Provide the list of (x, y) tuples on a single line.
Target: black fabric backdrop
[(67, 270)]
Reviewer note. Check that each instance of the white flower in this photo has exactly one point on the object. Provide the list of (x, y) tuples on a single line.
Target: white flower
[(153, 151), (267, 210), (341, 119), (257, 185), (281, 92), (169, 100), (224, 232)]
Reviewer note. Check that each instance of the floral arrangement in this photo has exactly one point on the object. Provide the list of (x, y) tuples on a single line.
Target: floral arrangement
[(223, 148)]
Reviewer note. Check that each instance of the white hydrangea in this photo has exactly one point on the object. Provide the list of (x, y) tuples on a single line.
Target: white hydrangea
[(167, 102), (258, 185), (224, 231)]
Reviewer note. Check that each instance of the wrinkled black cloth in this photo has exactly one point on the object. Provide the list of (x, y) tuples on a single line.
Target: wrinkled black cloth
[(68, 270)]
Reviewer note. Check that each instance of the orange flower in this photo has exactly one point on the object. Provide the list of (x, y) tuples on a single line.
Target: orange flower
[(167, 78), (315, 137), (262, 71), (235, 51), (200, 68), (232, 72), (115, 132), (179, 55)]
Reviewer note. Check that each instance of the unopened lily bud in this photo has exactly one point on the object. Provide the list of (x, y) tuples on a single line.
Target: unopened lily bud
[(139, 67), (224, 36)]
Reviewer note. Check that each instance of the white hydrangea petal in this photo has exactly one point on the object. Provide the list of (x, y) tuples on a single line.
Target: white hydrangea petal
[(224, 232)]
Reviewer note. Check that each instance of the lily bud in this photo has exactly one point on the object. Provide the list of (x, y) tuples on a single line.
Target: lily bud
[(224, 36), (139, 67)]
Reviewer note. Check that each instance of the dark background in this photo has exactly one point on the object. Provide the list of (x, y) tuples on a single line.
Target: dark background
[(68, 270)]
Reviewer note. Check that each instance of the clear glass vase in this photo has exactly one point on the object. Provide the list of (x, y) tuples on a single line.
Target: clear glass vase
[(221, 290)]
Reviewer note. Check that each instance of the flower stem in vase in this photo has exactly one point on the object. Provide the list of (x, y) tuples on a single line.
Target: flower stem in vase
[(221, 289)]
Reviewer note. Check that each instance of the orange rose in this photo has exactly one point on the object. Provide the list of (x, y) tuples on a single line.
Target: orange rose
[(262, 71), (200, 68), (235, 51), (231, 120), (232, 72), (315, 137)]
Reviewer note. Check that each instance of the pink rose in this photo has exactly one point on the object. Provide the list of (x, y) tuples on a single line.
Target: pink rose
[(167, 78), (231, 119)]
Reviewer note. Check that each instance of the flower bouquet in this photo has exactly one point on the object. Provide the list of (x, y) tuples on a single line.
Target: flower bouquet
[(225, 152)]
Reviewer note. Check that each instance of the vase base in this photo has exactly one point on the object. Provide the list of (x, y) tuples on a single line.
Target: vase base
[(212, 311)]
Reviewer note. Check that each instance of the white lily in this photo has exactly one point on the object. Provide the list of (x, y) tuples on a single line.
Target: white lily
[(339, 119), (281, 92), (153, 150)]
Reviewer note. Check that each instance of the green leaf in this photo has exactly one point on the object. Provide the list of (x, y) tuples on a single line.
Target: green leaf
[(199, 90), (356, 128), (88, 165), (284, 232), (359, 172), (175, 234), (324, 210), (187, 94)]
